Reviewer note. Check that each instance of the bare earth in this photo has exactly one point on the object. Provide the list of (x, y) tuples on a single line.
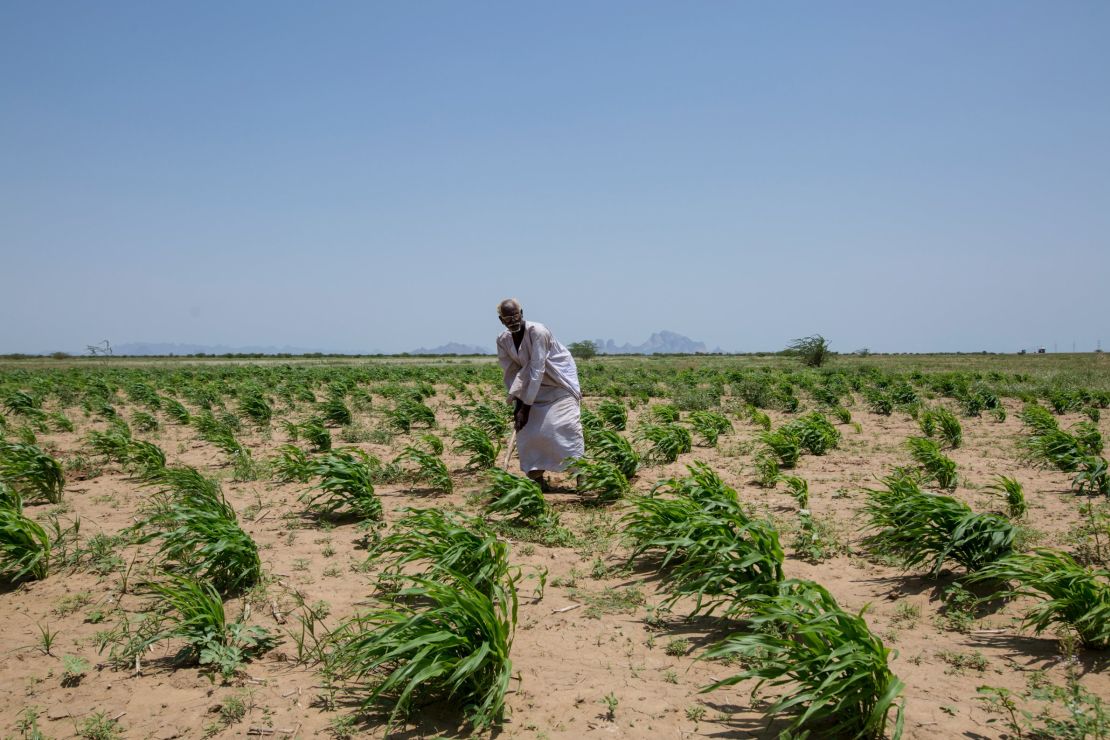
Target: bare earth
[(567, 661)]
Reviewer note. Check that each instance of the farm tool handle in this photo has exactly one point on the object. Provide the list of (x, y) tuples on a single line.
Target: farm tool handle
[(509, 450)]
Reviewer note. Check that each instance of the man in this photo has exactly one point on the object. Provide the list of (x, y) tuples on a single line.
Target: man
[(542, 381)]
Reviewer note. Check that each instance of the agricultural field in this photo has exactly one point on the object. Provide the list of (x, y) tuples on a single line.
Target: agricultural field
[(909, 546)]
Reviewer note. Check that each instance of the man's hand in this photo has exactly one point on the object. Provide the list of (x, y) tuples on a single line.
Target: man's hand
[(520, 414)]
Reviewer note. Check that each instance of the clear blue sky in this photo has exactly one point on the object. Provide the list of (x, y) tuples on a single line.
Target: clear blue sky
[(371, 176)]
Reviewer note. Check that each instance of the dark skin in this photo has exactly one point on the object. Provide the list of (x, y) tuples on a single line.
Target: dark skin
[(520, 409)]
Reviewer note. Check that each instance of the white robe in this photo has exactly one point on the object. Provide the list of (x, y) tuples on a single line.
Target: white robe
[(542, 374)]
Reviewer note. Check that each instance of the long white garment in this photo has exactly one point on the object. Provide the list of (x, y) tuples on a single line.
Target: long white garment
[(542, 374)]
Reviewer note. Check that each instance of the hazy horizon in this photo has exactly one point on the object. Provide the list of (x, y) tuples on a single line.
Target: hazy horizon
[(370, 176)]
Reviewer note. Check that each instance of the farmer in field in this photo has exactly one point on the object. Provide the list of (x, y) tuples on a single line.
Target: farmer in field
[(542, 382)]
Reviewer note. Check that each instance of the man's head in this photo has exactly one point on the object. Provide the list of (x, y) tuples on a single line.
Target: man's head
[(511, 314)]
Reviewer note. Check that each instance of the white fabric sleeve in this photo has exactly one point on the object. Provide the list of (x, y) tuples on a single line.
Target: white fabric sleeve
[(509, 368), (537, 364)]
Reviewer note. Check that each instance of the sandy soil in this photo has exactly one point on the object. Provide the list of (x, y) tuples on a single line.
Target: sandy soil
[(567, 661)]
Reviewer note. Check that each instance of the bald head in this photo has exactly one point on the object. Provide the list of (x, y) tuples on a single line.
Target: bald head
[(508, 307), (511, 314)]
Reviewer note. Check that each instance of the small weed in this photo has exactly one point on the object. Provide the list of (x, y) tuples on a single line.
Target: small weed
[(695, 712), (960, 662), (70, 604), (100, 727), (610, 701), (47, 638), (678, 647), (609, 601), (74, 669), (906, 614), (669, 676)]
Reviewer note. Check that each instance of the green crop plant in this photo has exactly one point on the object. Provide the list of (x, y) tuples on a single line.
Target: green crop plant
[(878, 402), (520, 498), (195, 616), (1070, 594), (613, 414), (936, 464), (707, 546), (784, 445), (316, 434), (254, 406), (444, 544), (942, 421), (22, 403), (664, 413), (600, 477), (145, 458), (798, 488), (24, 544), (437, 641), (709, 425), (197, 530), (346, 486), (815, 434), (609, 446), (923, 528), (493, 419), (702, 484), (1077, 451), (1088, 438), (175, 410), (292, 465), (759, 418), (430, 443), (31, 472), (212, 429), (843, 415), (430, 469), (1092, 478), (668, 441), (113, 443), (144, 422), (833, 670), (1011, 490), (475, 442), (408, 412), (590, 421), (1039, 419), (334, 411), (766, 470)]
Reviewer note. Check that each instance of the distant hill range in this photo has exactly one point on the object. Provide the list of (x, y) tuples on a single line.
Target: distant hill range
[(661, 342), (453, 348)]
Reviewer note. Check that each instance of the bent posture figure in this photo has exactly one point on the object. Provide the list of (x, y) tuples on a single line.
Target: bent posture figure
[(542, 381)]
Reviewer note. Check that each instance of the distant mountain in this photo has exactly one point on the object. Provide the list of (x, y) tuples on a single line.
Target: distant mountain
[(169, 348), (661, 342), (453, 348)]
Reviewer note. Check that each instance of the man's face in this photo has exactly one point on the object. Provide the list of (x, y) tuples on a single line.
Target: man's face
[(514, 322)]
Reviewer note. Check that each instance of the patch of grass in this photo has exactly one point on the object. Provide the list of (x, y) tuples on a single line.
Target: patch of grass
[(610, 600)]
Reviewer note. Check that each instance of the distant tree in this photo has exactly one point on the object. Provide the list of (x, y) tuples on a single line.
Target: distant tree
[(104, 349), (863, 352), (812, 351), (583, 350)]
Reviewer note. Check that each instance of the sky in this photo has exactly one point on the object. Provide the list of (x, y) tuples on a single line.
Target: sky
[(371, 176)]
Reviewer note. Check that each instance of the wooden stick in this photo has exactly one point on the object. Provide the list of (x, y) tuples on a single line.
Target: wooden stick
[(509, 450), (565, 609)]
